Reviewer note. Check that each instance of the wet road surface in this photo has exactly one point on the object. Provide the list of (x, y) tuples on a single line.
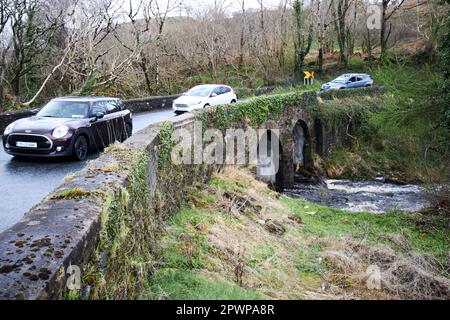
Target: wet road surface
[(23, 183)]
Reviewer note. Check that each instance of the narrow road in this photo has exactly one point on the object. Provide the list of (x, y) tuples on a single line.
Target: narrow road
[(23, 183)]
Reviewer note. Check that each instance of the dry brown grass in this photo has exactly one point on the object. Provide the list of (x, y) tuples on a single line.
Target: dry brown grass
[(268, 261), (245, 252), (410, 275)]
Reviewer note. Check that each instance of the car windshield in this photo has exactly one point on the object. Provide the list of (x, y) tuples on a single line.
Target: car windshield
[(201, 91), (65, 109), (341, 80)]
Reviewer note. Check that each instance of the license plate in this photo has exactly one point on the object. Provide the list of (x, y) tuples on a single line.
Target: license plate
[(21, 144)]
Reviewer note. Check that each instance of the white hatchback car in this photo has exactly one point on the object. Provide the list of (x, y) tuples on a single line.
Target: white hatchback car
[(204, 96)]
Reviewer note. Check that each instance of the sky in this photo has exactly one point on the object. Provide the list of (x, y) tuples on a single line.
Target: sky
[(230, 5), (233, 4)]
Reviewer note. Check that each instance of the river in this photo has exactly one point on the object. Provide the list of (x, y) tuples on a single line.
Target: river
[(373, 196)]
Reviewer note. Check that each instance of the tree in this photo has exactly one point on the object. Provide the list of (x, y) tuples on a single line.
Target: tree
[(386, 16), (32, 35), (444, 57), (5, 15), (302, 41), (339, 13), (322, 16)]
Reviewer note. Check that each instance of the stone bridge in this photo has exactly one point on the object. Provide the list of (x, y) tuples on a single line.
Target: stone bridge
[(64, 230)]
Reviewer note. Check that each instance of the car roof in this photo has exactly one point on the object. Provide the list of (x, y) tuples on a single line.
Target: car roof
[(348, 75), (212, 85), (85, 99)]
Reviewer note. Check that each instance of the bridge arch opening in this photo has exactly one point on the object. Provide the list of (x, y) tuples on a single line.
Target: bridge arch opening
[(303, 160), (269, 157)]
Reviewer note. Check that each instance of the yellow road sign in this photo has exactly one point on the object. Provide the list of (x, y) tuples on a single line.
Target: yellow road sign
[(309, 75)]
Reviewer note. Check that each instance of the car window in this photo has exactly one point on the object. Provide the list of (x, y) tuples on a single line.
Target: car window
[(113, 106), (100, 106), (217, 91), (353, 79), (199, 91), (225, 90), (65, 109), (359, 79)]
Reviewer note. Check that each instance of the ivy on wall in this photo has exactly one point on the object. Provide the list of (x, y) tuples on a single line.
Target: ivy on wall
[(253, 112), (165, 144)]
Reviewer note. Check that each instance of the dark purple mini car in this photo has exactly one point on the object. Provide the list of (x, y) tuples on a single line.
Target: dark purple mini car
[(70, 126)]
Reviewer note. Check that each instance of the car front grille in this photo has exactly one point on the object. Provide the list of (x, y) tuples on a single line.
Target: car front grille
[(182, 106), (43, 143)]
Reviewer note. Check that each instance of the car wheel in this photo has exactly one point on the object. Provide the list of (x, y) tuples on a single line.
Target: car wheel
[(233, 101), (80, 148), (206, 106)]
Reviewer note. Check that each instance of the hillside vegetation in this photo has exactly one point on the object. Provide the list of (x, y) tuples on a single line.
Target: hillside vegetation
[(236, 239), (402, 139)]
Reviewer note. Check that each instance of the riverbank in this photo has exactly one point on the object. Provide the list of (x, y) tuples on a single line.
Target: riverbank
[(401, 139), (237, 239)]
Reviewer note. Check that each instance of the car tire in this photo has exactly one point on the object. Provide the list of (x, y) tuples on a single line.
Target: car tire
[(233, 101), (206, 106), (80, 148)]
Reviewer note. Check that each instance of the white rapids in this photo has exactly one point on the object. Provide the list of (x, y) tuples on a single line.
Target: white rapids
[(373, 196)]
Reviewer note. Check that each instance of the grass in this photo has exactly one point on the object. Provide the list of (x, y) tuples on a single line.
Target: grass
[(376, 228), (189, 285), (184, 251), (76, 193), (204, 246)]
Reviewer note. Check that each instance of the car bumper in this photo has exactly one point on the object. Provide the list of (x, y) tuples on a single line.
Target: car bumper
[(187, 108), (59, 148)]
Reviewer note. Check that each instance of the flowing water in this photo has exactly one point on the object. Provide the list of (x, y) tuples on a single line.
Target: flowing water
[(371, 196)]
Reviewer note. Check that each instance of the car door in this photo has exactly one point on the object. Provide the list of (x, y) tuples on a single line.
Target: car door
[(359, 82), (100, 126), (216, 97), (226, 95), (352, 82), (115, 122)]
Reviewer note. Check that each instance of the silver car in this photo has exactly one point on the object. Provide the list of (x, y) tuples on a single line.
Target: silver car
[(349, 81)]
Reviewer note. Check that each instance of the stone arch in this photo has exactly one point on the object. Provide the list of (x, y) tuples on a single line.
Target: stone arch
[(302, 148), (269, 155)]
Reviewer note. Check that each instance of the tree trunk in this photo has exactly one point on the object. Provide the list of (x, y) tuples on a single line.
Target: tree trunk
[(383, 41), (144, 69)]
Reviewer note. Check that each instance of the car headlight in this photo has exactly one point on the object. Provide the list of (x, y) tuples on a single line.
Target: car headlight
[(60, 132), (9, 129)]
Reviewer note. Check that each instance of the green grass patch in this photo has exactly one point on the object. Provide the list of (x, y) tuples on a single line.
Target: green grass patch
[(184, 251), (376, 228), (224, 185), (176, 284)]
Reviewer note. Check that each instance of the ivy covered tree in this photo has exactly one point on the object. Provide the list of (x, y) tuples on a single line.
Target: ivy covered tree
[(302, 41), (444, 56)]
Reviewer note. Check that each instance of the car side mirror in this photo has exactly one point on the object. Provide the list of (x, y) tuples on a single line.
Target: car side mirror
[(35, 111), (98, 116)]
